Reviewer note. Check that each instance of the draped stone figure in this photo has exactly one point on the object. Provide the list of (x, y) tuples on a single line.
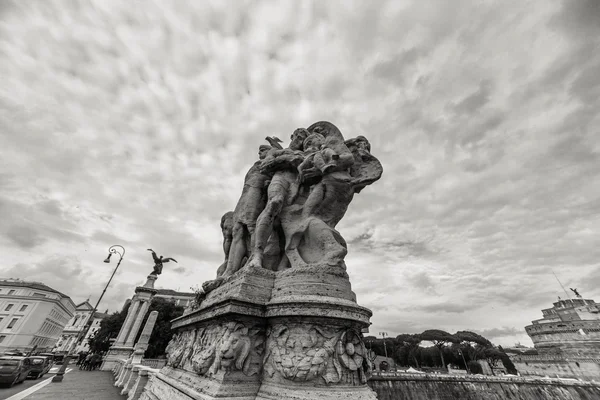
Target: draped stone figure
[(250, 205), (292, 200)]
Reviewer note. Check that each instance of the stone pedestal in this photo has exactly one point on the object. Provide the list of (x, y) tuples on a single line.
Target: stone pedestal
[(294, 334), (124, 345)]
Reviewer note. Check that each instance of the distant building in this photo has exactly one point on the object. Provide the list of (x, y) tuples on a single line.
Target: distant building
[(179, 298), (75, 327), (31, 314), (567, 339), (571, 328), (382, 364)]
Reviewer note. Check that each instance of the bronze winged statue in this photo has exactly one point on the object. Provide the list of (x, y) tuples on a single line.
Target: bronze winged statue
[(158, 263)]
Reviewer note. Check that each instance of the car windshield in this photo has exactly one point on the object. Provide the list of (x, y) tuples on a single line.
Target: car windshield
[(6, 363), (37, 360)]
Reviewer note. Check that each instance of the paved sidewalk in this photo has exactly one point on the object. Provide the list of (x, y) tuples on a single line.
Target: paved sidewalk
[(80, 385)]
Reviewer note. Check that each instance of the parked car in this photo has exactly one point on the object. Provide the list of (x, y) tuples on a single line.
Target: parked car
[(39, 366), (14, 369), (58, 359), (49, 356)]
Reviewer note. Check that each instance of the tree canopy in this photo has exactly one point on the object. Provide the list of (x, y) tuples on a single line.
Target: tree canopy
[(467, 347), (439, 338), (161, 334), (109, 329)]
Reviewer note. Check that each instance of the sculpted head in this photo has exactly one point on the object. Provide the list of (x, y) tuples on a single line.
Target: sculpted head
[(314, 142), (298, 138), (226, 219), (263, 149), (358, 143)]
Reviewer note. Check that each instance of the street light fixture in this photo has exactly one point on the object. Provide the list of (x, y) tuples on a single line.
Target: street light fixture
[(115, 249), (383, 335)]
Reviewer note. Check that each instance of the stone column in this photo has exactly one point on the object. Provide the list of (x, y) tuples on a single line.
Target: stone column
[(131, 314), (137, 324), (142, 345), (123, 346)]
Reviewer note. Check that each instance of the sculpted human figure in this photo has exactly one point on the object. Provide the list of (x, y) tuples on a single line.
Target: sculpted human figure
[(336, 154), (227, 230), (158, 263), (324, 209), (317, 157), (366, 168), (285, 163), (251, 203)]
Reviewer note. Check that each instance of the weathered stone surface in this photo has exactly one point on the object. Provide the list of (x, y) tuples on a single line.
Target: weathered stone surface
[(114, 354), (124, 345), (280, 321), (473, 388), (142, 345)]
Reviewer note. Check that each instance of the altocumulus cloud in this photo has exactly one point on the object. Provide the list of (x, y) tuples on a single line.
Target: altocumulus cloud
[(131, 126)]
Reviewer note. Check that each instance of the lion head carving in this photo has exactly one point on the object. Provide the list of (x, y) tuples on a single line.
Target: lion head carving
[(232, 352)]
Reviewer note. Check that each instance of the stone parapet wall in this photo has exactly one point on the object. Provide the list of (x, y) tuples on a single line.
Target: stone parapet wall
[(131, 378), (553, 357), (440, 387), (580, 368)]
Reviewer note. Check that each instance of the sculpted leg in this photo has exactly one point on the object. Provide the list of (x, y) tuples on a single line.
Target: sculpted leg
[(264, 227), (251, 239), (237, 251), (314, 199)]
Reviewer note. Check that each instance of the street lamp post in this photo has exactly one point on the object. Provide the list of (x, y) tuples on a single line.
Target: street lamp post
[(383, 335), (115, 249), (465, 361)]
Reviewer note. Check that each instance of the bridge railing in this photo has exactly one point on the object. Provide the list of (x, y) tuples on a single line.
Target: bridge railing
[(155, 363)]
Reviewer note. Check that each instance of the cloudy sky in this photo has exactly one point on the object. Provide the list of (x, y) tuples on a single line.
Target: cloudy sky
[(134, 124)]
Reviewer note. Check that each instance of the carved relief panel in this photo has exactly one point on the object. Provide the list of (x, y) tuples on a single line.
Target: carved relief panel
[(309, 352), (226, 347)]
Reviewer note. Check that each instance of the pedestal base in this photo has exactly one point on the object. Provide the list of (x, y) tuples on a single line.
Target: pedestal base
[(271, 391), (115, 353), (258, 337)]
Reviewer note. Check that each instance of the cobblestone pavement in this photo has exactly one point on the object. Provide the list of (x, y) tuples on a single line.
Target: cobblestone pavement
[(80, 385)]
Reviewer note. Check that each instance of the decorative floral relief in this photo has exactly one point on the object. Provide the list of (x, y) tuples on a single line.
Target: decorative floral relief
[(299, 352), (351, 353), (178, 348), (306, 352)]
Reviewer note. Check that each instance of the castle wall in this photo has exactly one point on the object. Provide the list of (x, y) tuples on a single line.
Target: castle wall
[(552, 366), (479, 388), (576, 338)]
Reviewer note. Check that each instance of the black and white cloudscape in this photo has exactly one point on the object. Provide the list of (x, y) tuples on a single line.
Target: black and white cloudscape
[(134, 124)]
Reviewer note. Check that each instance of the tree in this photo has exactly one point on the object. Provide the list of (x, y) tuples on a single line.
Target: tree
[(162, 333), (492, 356), (508, 364), (411, 342), (475, 367), (109, 329), (473, 343), (439, 338)]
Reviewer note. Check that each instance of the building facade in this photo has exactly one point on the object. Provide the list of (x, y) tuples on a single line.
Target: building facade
[(570, 328), (75, 327), (183, 299), (31, 315), (567, 339)]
